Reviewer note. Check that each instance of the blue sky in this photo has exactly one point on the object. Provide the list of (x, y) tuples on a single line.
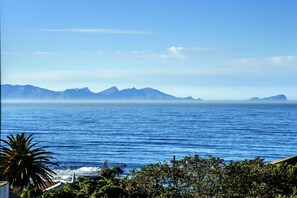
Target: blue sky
[(216, 49)]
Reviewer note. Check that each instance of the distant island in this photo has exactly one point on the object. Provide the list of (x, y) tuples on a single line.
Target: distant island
[(280, 97), (113, 93)]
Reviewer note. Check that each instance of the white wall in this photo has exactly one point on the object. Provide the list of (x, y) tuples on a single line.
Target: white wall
[(4, 189)]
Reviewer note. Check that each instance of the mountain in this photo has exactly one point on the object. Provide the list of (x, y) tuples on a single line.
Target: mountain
[(110, 93), (280, 97), (145, 93), (26, 92), (83, 93), (32, 92)]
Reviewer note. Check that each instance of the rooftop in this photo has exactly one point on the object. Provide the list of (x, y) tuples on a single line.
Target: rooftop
[(3, 183), (290, 160)]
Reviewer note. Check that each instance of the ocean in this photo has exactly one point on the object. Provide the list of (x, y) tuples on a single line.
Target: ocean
[(82, 135)]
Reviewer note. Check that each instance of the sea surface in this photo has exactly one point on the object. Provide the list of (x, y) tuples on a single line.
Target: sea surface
[(82, 135)]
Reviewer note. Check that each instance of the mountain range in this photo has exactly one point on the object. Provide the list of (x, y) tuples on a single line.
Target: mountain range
[(28, 92), (277, 97), (32, 92)]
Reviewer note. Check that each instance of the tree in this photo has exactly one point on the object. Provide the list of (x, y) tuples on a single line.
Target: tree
[(22, 162), (190, 177), (111, 173)]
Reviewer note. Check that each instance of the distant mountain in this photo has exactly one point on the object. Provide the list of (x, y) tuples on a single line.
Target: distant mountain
[(83, 93), (26, 92), (32, 92), (110, 92), (280, 97), (145, 93)]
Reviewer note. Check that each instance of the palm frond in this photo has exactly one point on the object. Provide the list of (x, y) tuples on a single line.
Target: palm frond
[(22, 161)]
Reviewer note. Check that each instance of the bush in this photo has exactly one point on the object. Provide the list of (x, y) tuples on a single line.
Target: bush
[(192, 176)]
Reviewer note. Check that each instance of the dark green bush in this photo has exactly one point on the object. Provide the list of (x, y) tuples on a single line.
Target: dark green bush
[(190, 177)]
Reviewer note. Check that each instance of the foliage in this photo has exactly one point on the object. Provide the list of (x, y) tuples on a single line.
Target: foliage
[(31, 192), (254, 178), (111, 173), (190, 177), (107, 185), (21, 161), (69, 191)]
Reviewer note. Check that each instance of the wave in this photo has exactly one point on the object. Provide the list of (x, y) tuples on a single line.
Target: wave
[(66, 175)]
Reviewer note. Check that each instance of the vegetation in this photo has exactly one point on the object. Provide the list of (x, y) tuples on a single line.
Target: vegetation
[(22, 162), (190, 177)]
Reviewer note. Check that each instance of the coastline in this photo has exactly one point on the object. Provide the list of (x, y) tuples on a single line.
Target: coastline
[(82, 101)]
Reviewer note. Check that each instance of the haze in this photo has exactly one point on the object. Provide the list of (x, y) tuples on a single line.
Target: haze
[(215, 50)]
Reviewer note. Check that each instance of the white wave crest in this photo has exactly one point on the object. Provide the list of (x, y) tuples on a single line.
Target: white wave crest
[(66, 175)]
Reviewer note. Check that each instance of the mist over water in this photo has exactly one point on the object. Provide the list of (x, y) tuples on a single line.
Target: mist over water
[(135, 134)]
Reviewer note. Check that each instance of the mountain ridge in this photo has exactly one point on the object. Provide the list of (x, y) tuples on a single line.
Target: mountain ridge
[(9, 91), (280, 97)]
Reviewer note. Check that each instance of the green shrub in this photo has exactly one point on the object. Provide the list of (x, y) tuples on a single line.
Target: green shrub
[(190, 177)]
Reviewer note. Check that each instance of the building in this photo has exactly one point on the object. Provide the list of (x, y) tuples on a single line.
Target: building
[(4, 189), (289, 160)]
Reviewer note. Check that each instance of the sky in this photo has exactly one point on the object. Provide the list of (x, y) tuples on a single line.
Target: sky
[(214, 49)]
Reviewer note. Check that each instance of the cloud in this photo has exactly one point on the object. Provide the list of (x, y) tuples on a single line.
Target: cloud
[(191, 49), (44, 53), (264, 64), (184, 51), (112, 75), (282, 59), (172, 52), (175, 51), (99, 30), (71, 75), (272, 60)]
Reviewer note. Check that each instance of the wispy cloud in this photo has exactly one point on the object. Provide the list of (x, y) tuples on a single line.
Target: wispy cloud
[(72, 75), (283, 59), (99, 30), (191, 49), (113, 75), (271, 63), (272, 59), (184, 51), (44, 53), (172, 52)]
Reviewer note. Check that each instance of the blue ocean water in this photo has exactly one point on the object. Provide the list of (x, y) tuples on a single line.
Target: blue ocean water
[(135, 134)]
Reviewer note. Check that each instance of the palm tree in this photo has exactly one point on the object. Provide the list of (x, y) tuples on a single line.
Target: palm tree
[(22, 163)]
